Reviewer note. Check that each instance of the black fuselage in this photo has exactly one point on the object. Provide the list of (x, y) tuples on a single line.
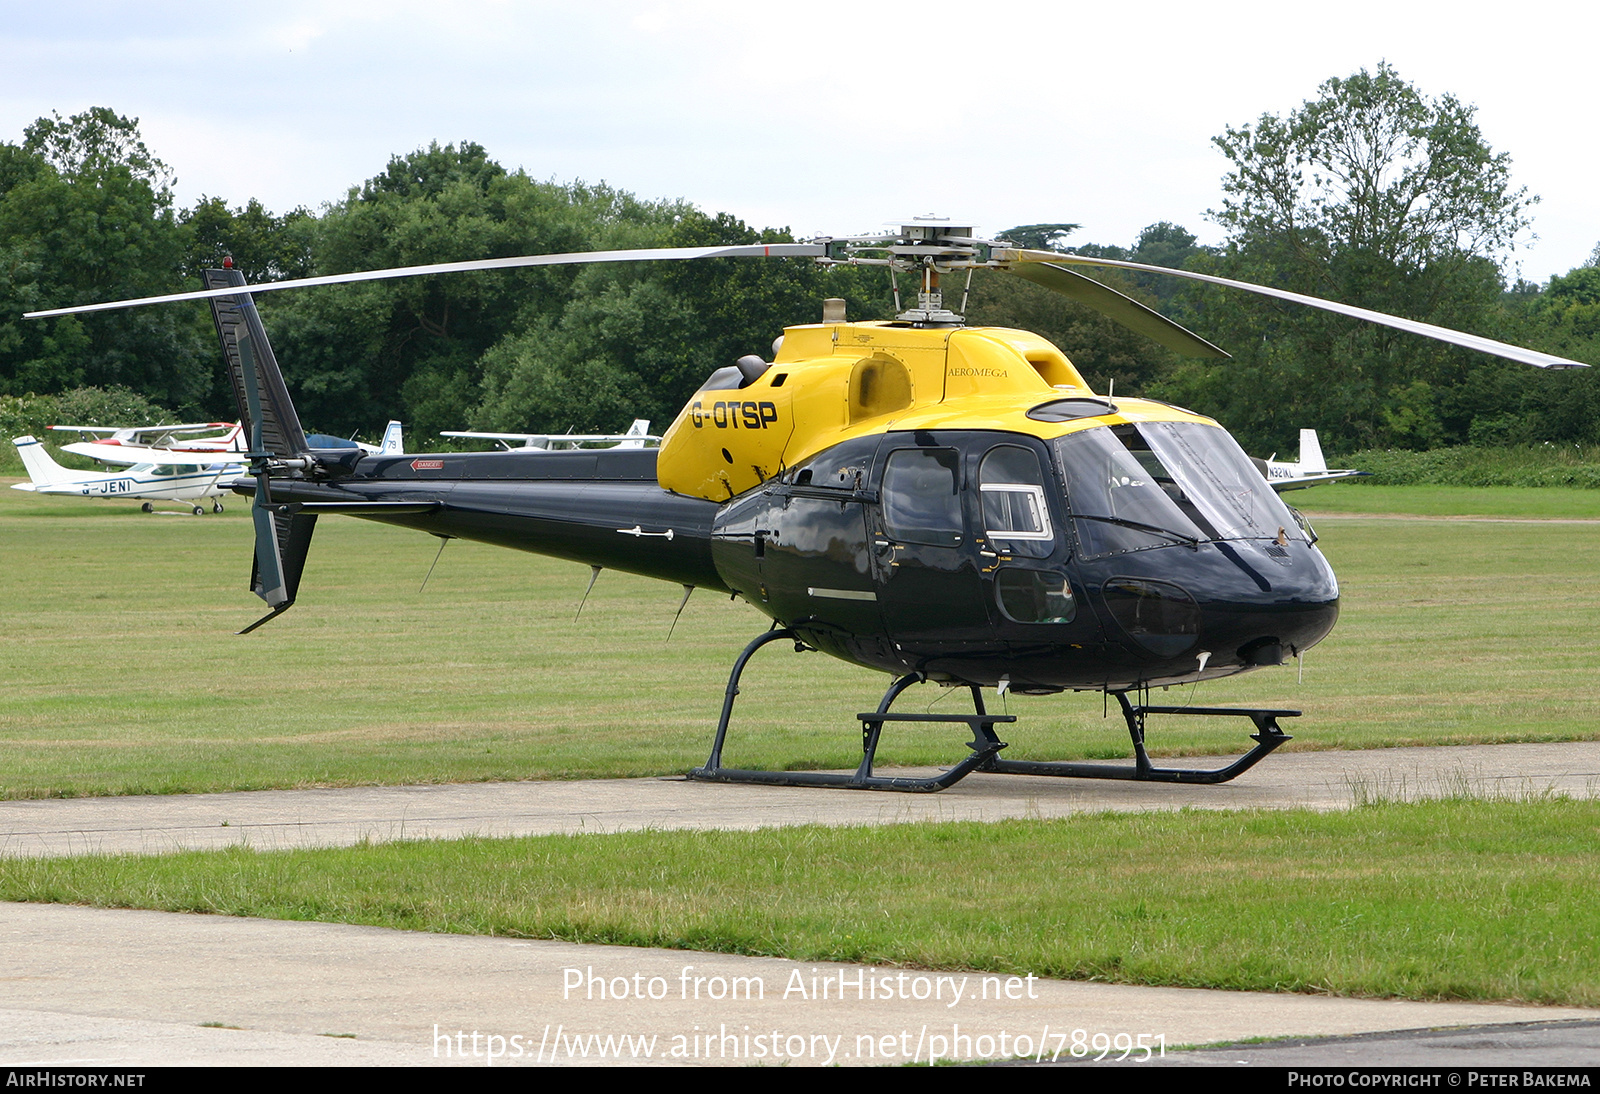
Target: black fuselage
[(953, 554)]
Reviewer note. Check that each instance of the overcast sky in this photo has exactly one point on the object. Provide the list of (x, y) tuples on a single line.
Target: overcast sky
[(841, 119)]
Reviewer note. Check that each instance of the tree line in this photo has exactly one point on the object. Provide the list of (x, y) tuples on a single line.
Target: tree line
[(1372, 193)]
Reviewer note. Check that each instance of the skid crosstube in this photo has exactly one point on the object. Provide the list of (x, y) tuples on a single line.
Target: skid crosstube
[(983, 745), (984, 748)]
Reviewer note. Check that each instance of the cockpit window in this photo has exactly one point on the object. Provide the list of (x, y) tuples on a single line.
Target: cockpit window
[(1131, 488), (921, 496), (1232, 497)]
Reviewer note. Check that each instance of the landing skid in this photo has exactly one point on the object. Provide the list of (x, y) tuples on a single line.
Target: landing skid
[(1268, 736), (984, 748)]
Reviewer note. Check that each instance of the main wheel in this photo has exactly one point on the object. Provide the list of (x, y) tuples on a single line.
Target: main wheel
[(199, 511), (148, 508)]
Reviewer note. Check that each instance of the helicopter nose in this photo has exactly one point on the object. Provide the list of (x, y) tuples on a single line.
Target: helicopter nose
[(1289, 605), (1239, 610)]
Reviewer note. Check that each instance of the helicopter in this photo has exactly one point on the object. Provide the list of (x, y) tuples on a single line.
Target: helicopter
[(943, 503)]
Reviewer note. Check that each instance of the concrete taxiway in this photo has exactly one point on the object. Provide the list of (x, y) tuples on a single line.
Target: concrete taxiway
[(108, 988), (271, 819), (93, 987)]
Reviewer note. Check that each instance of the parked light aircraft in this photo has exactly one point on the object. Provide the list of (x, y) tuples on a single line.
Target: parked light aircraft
[(128, 446), (180, 437), (393, 443), (637, 436), (1311, 469), (120, 450), (151, 474)]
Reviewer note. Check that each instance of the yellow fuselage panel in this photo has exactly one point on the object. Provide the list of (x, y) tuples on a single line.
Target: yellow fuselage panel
[(832, 382)]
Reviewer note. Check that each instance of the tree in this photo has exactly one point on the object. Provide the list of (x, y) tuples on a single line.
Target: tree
[(263, 247), (1371, 167), (1375, 195), (98, 141), (1039, 237), (1105, 352), (86, 215)]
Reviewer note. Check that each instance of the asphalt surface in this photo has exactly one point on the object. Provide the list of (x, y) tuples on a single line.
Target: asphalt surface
[(320, 818), (1550, 1045), (92, 987), (106, 988)]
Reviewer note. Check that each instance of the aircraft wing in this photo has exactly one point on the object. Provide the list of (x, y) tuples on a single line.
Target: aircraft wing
[(1300, 482), (630, 439), (132, 454), (131, 432)]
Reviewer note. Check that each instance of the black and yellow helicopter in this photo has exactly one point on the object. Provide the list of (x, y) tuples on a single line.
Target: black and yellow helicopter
[(943, 503)]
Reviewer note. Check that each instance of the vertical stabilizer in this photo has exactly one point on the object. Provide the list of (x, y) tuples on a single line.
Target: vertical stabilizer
[(394, 443), (238, 321), (1311, 461), (41, 468), (276, 442)]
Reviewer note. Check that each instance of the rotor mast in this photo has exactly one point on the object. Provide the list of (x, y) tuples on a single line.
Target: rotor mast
[(928, 247)]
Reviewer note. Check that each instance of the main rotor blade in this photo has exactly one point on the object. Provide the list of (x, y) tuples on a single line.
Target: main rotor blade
[(1411, 326), (756, 250), (1118, 308)]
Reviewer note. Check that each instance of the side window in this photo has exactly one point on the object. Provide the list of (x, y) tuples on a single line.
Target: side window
[(1016, 517), (1034, 596), (922, 496)]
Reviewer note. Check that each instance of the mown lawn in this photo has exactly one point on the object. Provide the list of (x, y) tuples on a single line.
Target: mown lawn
[(123, 674)]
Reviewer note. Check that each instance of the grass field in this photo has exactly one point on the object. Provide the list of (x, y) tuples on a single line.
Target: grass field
[(1515, 502), (123, 674), (1454, 899)]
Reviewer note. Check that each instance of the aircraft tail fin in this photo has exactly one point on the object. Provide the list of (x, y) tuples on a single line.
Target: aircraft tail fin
[(275, 439), (41, 468), (270, 418), (394, 443), (636, 434), (1311, 460), (282, 543)]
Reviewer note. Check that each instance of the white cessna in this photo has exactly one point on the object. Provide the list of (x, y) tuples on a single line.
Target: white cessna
[(152, 474), (637, 436), (1310, 470), (123, 444), (185, 472)]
